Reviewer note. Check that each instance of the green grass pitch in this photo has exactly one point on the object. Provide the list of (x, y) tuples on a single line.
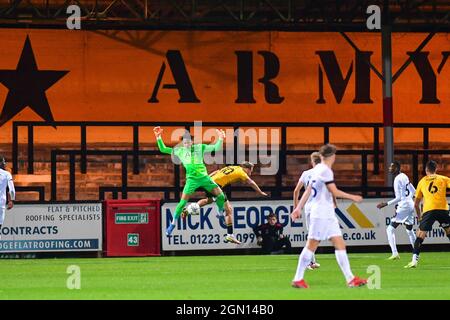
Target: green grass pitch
[(251, 277)]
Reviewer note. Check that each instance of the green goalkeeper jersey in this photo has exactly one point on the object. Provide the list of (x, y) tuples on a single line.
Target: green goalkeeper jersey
[(191, 158)]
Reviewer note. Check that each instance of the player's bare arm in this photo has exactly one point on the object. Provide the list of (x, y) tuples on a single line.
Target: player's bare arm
[(255, 187), (394, 201), (11, 194), (417, 207), (305, 197), (382, 205), (341, 194), (297, 213), (297, 189), (10, 203)]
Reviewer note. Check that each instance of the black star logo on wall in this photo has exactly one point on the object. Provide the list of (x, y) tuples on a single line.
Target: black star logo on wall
[(27, 86)]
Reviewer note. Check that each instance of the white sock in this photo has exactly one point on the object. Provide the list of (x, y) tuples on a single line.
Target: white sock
[(412, 237), (303, 261), (313, 259), (342, 260), (391, 238), (415, 258)]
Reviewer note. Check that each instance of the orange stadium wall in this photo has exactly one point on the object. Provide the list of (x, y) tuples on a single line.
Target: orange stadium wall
[(289, 76)]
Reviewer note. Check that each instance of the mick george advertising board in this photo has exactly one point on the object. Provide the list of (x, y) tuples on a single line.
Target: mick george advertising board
[(362, 224), (52, 227)]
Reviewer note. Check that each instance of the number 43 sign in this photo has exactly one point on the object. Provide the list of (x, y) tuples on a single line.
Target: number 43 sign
[(133, 239)]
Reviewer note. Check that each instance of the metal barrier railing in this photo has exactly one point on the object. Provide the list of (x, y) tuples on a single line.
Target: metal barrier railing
[(277, 189)]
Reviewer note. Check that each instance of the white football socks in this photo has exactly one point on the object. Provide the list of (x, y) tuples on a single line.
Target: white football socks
[(344, 264), (391, 238), (412, 237), (303, 261)]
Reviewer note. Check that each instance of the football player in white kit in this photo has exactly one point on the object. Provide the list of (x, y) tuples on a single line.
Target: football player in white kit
[(305, 179), (5, 182), (323, 221), (404, 212)]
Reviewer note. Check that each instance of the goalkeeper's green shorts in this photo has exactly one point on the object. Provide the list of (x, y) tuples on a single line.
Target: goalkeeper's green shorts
[(204, 182)]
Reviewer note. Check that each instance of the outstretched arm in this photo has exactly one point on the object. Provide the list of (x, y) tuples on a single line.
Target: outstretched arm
[(162, 147), (255, 187), (398, 195), (341, 194), (218, 145)]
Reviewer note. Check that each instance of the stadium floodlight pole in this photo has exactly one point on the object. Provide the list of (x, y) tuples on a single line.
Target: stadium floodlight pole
[(388, 116)]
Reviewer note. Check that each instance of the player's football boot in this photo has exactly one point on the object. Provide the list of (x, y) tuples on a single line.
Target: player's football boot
[(184, 213), (412, 264), (300, 284), (170, 229), (394, 257), (232, 238), (357, 282)]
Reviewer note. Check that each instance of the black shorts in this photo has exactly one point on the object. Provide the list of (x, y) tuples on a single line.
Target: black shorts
[(430, 217)]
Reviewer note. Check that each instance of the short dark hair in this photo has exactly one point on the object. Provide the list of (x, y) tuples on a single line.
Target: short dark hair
[(397, 165), (2, 162), (315, 157), (271, 215), (247, 165), (327, 150), (431, 166)]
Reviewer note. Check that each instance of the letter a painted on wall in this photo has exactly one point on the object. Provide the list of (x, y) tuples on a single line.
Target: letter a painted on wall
[(182, 82)]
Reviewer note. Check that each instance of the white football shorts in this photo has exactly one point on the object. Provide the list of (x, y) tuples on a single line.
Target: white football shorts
[(404, 214), (323, 228)]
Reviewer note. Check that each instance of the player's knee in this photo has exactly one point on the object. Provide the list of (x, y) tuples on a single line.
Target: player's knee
[(229, 210), (221, 197), (421, 234), (312, 244)]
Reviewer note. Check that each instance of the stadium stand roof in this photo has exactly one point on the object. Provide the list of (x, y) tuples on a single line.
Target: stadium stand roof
[(289, 15)]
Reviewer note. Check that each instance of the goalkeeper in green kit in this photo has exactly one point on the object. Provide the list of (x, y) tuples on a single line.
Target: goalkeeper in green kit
[(191, 155)]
